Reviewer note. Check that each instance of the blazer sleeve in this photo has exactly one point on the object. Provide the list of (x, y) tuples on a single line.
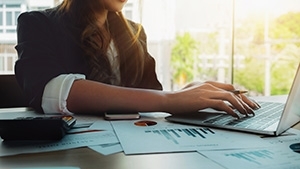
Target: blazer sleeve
[(37, 63)]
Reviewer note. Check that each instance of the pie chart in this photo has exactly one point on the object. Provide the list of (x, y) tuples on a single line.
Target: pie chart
[(144, 123)]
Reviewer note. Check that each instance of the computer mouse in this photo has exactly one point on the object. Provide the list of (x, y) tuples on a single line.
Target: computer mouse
[(295, 147)]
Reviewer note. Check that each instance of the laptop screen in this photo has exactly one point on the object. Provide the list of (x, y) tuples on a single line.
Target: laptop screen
[(291, 114)]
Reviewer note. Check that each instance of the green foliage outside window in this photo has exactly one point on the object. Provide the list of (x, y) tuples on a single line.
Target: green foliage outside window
[(184, 55), (250, 41)]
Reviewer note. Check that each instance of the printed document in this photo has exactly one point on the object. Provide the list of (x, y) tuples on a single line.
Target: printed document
[(277, 156), (151, 135)]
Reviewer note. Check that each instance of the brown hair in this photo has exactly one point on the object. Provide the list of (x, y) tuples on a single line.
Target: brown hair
[(95, 41)]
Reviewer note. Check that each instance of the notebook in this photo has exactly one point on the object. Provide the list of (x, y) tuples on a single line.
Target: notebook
[(273, 118)]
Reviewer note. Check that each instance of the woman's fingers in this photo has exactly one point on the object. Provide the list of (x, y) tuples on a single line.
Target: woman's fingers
[(239, 101), (248, 109), (222, 106), (254, 105), (214, 95), (234, 100)]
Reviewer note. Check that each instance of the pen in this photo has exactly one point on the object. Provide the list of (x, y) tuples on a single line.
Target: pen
[(239, 91)]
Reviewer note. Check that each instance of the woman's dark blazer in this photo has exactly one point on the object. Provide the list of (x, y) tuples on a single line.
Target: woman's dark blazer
[(46, 49)]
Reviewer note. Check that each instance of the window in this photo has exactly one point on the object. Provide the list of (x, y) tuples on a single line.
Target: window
[(9, 12), (252, 44), (1, 17), (8, 15), (9, 18), (267, 44), (128, 10)]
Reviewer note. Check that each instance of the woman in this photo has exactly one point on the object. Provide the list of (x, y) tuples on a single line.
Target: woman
[(84, 57)]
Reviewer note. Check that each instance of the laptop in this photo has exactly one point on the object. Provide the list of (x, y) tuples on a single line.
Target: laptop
[(273, 118)]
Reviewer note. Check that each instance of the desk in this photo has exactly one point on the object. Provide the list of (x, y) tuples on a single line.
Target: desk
[(85, 158)]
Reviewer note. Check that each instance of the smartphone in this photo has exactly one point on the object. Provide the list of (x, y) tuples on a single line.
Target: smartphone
[(117, 115)]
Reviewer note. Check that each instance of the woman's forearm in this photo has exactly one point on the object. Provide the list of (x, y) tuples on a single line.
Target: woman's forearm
[(91, 97)]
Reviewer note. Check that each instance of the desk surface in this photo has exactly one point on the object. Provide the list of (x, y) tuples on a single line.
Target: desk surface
[(86, 158)]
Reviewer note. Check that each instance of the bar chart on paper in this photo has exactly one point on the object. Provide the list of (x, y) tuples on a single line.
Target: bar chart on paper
[(253, 156), (277, 157), (174, 135), (149, 136)]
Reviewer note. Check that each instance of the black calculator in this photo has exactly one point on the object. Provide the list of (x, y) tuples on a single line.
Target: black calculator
[(36, 128)]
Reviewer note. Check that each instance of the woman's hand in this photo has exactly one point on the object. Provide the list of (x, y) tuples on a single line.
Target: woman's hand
[(197, 96)]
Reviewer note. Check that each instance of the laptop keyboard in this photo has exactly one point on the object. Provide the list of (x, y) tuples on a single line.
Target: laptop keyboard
[(268, 114)]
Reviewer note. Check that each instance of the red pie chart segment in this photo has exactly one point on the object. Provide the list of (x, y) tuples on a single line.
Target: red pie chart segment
[(145, 123)]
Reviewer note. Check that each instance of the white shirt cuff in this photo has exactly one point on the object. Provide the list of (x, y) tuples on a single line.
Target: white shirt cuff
[(56, 92)]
